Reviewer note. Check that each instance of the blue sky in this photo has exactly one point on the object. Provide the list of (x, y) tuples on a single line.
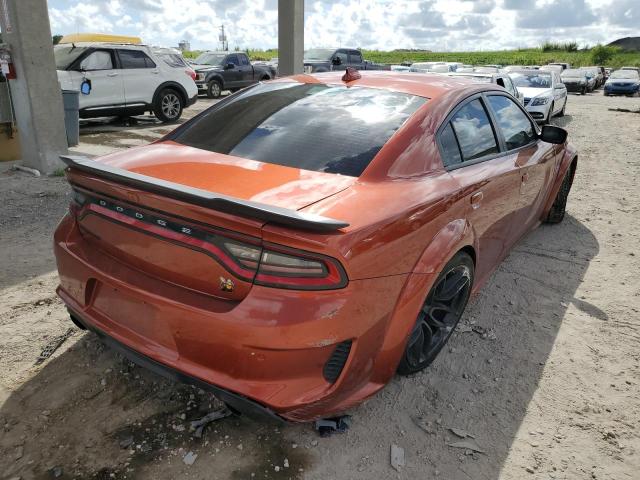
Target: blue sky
[(383, 24)]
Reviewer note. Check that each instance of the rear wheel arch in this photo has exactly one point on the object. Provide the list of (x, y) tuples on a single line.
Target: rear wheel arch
[(453, 237), (172, 86)]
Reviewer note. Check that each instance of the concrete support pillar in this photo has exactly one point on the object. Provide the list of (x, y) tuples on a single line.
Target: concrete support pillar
[(35, 91), (290, 37)]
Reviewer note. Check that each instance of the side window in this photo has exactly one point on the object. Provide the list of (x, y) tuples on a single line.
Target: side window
[(473, 130), (514, 124), (233, 59), (173, 60), (98, 60), (449, 146), (342, 56), (355, 57), (243, 60), (135, 59)]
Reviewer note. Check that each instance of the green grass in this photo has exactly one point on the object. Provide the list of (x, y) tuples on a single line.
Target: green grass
[(530, 56)]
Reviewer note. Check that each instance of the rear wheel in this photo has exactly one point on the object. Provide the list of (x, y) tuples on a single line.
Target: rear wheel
[(559, 207), (439, 315), (168, 106), (214, 89)]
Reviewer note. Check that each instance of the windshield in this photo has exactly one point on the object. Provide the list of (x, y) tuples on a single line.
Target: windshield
[(318, 54), (324, 128), (572, 73), (630, 74), (210, 59), (532, 80), (65, 55)]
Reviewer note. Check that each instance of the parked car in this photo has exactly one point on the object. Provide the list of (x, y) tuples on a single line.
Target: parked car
[(501, 79), (318, 60), (400, 68), (218, 71), (636, 69), (487, 69), (290, 248), (552, 67), (126, 79), (575, 80), (545, 95), (431, 67), (595, 77), (622, 82), (562, 65)]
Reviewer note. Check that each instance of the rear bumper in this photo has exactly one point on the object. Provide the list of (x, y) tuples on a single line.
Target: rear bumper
[(265, 354), (575, 87), (621, 90), (239, 403), (192, 100)]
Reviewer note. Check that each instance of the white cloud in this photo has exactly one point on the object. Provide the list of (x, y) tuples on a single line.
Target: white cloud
[(374, 24)]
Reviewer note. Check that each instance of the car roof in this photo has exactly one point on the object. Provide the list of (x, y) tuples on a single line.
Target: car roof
[(429, 85), (474, 74)]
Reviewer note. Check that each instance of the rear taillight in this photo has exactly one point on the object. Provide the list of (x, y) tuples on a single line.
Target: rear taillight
[(191, 73), (283, 267), (270, 264)]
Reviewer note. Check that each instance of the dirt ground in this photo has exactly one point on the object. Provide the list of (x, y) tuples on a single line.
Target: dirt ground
[(543, 372)]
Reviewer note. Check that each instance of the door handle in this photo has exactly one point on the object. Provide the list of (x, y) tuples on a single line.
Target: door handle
[(155, 72), (525, 177), (114, 74), (476, 199)]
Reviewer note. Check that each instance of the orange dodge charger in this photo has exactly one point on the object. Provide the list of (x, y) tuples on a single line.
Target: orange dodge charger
[(298, 243)]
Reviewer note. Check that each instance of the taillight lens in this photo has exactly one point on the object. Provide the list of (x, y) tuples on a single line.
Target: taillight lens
[(282, 267), (191, 73)]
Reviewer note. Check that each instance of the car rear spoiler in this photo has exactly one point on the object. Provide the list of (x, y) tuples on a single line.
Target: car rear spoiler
[(204, 198)]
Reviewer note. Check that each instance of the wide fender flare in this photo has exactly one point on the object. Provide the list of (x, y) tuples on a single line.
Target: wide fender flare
[(569, 158), (452, 238)]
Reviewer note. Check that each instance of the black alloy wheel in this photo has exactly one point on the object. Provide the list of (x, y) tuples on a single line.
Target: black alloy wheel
[(439, 315)]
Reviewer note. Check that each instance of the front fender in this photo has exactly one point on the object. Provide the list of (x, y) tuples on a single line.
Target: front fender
[(569, 158), (215, 76)]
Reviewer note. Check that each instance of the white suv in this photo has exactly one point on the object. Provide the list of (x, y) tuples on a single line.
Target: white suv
[(126, 79)]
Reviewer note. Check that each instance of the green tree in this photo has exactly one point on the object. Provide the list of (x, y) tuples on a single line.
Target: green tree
[(601, 54), (56, 39)]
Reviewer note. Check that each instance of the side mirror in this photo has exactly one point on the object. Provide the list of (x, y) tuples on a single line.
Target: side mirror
[(85, 87), (336, 61), (553, 134), (229, 66)]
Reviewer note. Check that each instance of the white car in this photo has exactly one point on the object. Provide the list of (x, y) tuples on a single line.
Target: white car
[(545, 96), (400, 68), (502, 79), (126, 79)]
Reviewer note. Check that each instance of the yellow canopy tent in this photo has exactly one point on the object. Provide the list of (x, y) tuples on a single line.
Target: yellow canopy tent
[(99, 37)]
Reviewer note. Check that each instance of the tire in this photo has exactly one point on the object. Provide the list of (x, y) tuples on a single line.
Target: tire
[(168, 106), (214, 89), (559, 207), (584, 91), (564, 108), (265, 78), (439, 315)]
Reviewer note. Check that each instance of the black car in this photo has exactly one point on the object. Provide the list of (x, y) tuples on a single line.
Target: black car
[(327, 59), (218, 71)]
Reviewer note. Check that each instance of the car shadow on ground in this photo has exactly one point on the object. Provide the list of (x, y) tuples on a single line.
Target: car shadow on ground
[(92, 414)]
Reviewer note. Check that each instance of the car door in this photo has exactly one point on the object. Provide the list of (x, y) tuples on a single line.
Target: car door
[(340, 60), (232, 73), (140, 74), (246, 70), (107, 89), (355, 59), (488, 179), (535, 160), (559, 92)]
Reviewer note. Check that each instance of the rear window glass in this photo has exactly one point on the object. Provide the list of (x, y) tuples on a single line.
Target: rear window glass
[(173, 60), (473, 130), (325, 128)]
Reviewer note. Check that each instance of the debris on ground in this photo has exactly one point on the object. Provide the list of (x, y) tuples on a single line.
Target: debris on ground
[(328, 426), (467, 444), (190, 458), (425, 425), (199, 425), (458, 432), (53, 345), (397, 457)]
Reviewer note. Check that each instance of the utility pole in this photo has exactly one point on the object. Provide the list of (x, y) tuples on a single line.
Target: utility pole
[(36, 93), (223, 39), (290, 37)]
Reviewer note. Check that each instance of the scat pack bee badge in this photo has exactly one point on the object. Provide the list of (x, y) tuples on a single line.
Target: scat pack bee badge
[(226, 284)]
